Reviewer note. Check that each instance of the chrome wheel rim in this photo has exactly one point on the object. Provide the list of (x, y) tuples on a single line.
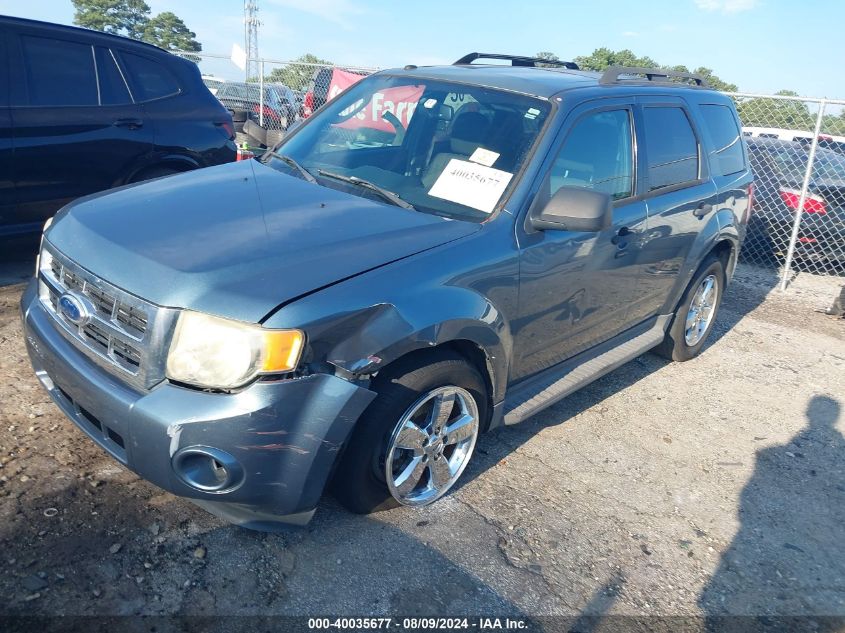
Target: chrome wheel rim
[(701, 310), (431, 445)]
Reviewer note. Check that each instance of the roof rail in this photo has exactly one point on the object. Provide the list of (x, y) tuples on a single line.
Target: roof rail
[(516, 60), (659, 75)]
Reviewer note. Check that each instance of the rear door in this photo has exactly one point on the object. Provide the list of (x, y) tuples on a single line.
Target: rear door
[(678, 192), (7, 162), (77, 130)]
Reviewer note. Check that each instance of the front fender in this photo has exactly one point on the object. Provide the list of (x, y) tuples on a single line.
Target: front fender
[(363, 342), (464, 291)]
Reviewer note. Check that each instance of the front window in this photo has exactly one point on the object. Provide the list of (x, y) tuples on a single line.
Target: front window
[(444, 148)]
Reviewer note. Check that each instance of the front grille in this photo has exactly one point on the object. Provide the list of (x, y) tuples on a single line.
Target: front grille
[(117, 330)]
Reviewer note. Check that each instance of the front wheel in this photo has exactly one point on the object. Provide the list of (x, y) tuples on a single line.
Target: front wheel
[(416, 438), (694, 317)]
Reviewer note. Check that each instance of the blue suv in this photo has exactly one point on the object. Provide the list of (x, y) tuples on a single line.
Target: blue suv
[(436, 252)]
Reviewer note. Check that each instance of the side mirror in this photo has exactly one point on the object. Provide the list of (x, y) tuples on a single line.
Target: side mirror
[(574, 209)]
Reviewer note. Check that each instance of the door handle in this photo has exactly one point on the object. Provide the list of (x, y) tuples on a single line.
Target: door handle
[(619, 238), (703, 209), (132, 124)]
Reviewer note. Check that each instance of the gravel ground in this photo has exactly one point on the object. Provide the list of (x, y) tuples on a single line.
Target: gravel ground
[(710, 487)]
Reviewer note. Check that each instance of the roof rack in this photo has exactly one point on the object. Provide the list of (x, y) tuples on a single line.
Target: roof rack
[(516, 60), (658, 75)]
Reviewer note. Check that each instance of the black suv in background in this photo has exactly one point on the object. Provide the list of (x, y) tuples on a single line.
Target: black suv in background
[(82, 111)]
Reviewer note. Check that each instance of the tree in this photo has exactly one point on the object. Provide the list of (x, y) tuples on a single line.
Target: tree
[(602, 58), (132, 18), (120, 17), (549, 56), (168, 31), (297, 74), (791, 115)]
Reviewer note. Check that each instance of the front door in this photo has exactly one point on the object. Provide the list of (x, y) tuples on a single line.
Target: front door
[(575, 287)]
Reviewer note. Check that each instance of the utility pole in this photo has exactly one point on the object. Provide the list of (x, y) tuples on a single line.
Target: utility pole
[(251, 24)]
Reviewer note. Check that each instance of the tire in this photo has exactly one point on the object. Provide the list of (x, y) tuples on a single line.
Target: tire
[(679, 345), (154, 172), (360, 481), (239, 117)]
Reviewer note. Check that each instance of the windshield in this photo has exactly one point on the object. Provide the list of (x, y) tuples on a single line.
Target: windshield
[(828, 165), (445, 148)]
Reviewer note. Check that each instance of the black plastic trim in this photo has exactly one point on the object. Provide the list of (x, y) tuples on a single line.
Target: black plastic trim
[(517, 60)]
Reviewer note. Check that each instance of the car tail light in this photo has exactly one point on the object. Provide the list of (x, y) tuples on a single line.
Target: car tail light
[(807, 240), (812, 204), (269, 112), (308, 105), (227, 128)]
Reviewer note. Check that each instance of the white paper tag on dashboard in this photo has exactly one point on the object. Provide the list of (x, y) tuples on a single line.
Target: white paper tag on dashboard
[(471, 184), (484, 157)]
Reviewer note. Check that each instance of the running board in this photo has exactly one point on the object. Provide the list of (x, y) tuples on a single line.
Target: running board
[(556, 383)]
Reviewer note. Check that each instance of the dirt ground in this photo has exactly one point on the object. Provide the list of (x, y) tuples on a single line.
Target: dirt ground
[(704, 488)]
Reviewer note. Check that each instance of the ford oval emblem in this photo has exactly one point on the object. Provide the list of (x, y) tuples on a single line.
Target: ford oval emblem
[(74, 309)]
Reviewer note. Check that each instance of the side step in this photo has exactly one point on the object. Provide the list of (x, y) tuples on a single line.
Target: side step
[(554, 384)]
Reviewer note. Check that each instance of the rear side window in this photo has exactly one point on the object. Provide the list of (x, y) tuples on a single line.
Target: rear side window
[(113, 90), (671, 147), (597, 154), (59, 73), (721, 126), (150, 80)]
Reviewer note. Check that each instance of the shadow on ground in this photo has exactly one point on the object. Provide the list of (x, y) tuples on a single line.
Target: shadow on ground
[(787, 556), (123, 548)]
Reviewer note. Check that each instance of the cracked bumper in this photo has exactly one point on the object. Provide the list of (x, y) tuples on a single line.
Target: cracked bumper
[(284, 436)]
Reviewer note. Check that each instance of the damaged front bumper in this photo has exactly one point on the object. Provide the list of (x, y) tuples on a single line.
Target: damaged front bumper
[(257, 458)]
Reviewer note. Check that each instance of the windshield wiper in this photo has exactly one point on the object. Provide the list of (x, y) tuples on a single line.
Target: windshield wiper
[(389, 196), (290, 161)]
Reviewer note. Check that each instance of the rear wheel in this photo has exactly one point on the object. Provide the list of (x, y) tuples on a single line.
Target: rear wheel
[(154, 172), (694, 317), (416, 438)]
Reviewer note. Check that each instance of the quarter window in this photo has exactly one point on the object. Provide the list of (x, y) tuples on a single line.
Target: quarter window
[(150, 79), (59, 73), (671, 147), (725, 137), (113, 90), (597, 154)]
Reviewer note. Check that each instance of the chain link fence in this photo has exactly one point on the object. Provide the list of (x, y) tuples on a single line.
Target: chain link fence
[(265, 106), (796, 147), (797, 151)]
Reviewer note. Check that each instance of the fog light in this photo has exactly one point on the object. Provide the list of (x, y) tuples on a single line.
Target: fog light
[(208, 469)]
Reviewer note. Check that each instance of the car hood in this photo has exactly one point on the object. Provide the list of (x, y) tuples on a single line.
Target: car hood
[(238, 240)]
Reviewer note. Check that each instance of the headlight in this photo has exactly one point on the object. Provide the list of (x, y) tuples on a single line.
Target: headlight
[(208, 351), (41, 245)]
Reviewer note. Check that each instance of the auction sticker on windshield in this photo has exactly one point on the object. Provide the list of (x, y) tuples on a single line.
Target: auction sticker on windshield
[(471, 185)]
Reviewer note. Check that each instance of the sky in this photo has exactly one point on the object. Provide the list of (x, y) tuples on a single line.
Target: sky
[(760, 45)]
